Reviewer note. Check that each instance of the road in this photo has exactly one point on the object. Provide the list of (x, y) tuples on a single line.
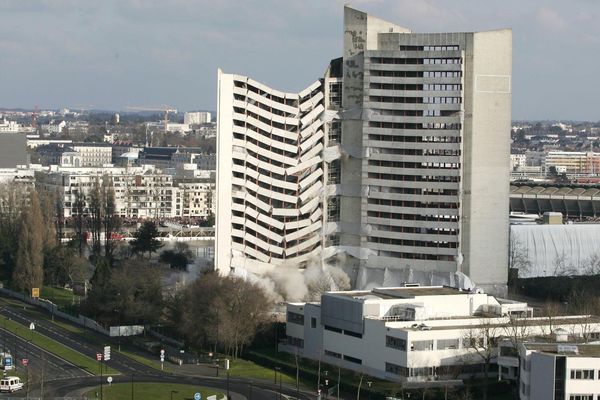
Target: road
[(64, 379), (53, 367)]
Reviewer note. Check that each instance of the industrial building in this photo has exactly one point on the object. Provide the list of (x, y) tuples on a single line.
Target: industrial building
[(386, 160), (416, 333)]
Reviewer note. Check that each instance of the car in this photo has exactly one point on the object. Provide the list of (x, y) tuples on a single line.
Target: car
[(424, 327), (10, 384)]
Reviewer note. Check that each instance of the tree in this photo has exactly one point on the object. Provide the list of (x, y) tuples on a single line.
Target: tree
[(63, 267), (78, 207), (111, 220), (178, 258), (95, 207), (127, 294), (28, 271), (144, 239), (482, 340), (11, 200), (227, 311)]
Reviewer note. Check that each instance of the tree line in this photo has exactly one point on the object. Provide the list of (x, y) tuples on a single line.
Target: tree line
[(214, 312)]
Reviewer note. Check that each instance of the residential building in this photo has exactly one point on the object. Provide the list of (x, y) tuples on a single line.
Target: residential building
[(387, 159), (572, 162), (9, 126), (76, 154), (53, 128), (552, 370), (415, 333), (140, 192), (196, 118)]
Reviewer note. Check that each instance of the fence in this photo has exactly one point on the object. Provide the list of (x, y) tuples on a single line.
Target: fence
[(81, 320)]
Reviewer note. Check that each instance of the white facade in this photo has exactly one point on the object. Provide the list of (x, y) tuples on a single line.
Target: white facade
[(269, 175), (553, 371), (406, 183), (196, 118), (140, 192), (410, 333), (9, 126)]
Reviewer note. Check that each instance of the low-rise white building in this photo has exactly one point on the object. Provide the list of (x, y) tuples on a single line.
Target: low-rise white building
[(552, 371), (411, 333), (196, 118)]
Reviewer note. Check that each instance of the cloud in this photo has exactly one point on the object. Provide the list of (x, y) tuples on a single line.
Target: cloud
[(551, 20)]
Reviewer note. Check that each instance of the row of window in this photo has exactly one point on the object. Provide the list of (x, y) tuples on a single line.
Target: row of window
[(421, 345), (342, 356), (586, 374)]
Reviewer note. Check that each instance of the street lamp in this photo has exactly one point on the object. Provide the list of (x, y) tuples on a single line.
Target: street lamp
[(173, 391), (369, 384), (278, 369)]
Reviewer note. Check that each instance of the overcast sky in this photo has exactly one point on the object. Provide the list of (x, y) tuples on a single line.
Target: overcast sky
[(107, 54)]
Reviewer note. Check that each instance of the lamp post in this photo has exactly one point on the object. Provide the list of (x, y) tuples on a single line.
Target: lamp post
[(173, 391), (278, 369), (369, 385)]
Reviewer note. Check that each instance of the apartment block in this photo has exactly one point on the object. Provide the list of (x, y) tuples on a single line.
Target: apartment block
[(398, 158)]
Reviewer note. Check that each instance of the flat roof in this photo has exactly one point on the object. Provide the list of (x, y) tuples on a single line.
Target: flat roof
[(408, 292), (583, 350)]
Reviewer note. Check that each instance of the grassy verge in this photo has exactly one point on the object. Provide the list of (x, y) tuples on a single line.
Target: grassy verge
[(145, 360), (143, 390), (248, 369), (53, 346), (63, 298)]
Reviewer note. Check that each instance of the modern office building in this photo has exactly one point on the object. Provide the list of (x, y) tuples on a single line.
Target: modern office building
[(397, 158), (553, 370), (417, 333)]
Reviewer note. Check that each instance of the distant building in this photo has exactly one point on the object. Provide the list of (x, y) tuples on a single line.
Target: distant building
[(13, 150), (9, 126), (53, 128), (76, 154), (421, 334), (572, 162), (196, 118)]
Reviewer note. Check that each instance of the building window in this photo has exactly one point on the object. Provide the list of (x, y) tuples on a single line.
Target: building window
[(581, 397), (353, 359), (332, 329), (447, 344), (332, 354), (296, 342), (313, 322), (423, 371), (396, 369), (421, 345), (585, 374), (395, 343), (295, 318)]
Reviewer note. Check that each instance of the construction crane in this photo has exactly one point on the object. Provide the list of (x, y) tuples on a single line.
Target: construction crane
[(165, 109)]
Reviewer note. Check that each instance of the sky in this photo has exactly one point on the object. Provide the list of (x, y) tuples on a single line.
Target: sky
[(110, 54)]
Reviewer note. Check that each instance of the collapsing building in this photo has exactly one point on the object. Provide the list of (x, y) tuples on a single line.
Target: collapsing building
[(397, 161)]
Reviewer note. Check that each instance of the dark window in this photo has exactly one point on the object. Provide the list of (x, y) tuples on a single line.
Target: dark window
[(295, 318), (395, 343), (353, 359), (313, 322)]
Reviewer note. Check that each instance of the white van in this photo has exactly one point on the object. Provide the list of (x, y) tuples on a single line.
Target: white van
[(10, 384)]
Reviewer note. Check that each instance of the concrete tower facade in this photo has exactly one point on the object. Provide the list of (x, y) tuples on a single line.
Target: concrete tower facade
[(414, 156)]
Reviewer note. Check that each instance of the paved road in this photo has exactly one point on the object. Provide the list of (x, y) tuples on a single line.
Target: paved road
[(39, 359), (76, 382), (88, 345)]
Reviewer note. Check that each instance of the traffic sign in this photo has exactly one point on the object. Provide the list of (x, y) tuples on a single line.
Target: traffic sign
[(35, 292), (32, 326), (162, 352), (197, 396), (106, 353), (109, 379), (25, 361), (162, 358), (98, 356)]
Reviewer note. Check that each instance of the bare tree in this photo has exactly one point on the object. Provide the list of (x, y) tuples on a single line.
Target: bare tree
[(587, 305), (517, 256), (482, 340), (550, 311)]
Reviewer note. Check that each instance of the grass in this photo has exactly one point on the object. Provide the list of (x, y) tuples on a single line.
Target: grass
[(63, 298), (248, 369), (143, 390), (54, 347), (145, 360)]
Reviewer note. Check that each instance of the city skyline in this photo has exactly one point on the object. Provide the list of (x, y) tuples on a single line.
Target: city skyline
[(113, 54)]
